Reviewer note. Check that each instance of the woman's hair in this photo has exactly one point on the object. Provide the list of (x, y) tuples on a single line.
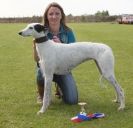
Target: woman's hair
[(63, 19)]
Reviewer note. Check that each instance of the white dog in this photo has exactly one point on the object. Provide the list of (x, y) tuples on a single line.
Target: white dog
[(57, 58)]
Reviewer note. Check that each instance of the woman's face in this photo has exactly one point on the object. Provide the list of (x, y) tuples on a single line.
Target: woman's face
[(54, 16)]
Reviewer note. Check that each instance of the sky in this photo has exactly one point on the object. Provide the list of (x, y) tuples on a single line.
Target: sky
[(22, 8)]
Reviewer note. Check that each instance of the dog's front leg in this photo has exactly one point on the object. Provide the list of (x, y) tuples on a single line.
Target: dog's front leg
[(47, 93)]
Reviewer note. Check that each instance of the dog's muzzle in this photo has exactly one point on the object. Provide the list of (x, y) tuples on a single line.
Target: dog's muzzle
[(20, 33)]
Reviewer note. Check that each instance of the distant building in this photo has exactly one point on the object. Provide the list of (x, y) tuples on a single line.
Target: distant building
[(125, 19)]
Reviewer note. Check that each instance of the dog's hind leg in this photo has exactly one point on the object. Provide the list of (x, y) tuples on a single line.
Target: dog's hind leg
[(119, 92), (107, 71)]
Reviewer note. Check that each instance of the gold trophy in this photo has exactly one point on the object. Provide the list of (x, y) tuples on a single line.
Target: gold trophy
[(82, 105)]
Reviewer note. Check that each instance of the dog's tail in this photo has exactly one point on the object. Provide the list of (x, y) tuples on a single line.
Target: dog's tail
[(101, 79)]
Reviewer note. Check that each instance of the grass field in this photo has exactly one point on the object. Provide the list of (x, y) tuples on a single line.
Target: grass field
[(18, 106)]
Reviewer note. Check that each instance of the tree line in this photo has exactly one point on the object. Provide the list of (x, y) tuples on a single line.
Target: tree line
[(99, 16)]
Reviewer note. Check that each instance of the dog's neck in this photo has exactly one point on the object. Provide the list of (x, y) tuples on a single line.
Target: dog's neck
[(41, 39)]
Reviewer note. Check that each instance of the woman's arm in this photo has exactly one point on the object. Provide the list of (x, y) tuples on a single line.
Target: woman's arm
[(71, 37), (35, 55)]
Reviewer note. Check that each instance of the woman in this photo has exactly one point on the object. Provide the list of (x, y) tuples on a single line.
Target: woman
[(54, 20)]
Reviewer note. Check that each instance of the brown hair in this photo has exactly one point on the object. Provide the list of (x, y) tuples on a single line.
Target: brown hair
[(54, 4)]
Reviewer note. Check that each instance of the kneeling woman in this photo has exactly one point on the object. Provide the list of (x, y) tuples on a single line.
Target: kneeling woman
[(54, 21)]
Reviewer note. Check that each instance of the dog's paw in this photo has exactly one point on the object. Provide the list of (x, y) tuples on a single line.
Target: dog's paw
[(40, 112), (115, 101), (121, 108)]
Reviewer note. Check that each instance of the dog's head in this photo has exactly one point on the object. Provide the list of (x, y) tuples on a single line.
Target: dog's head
[(34, 29)]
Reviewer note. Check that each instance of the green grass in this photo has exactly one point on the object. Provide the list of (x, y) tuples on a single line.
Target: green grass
[(18, 106)]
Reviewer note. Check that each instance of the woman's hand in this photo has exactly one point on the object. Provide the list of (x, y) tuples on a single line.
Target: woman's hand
[(56, 39)]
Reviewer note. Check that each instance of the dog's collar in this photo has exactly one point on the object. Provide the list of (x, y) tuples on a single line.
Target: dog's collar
[(41, 39)]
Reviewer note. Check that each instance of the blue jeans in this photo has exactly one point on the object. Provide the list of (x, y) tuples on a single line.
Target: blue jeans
[(66, 84)]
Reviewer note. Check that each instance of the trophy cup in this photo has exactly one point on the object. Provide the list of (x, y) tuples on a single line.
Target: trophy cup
[(82, 105)]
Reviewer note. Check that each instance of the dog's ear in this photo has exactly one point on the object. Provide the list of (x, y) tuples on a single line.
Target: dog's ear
[(39, 28)]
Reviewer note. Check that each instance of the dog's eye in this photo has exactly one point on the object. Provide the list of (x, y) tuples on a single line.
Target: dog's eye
[(30, 27)]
